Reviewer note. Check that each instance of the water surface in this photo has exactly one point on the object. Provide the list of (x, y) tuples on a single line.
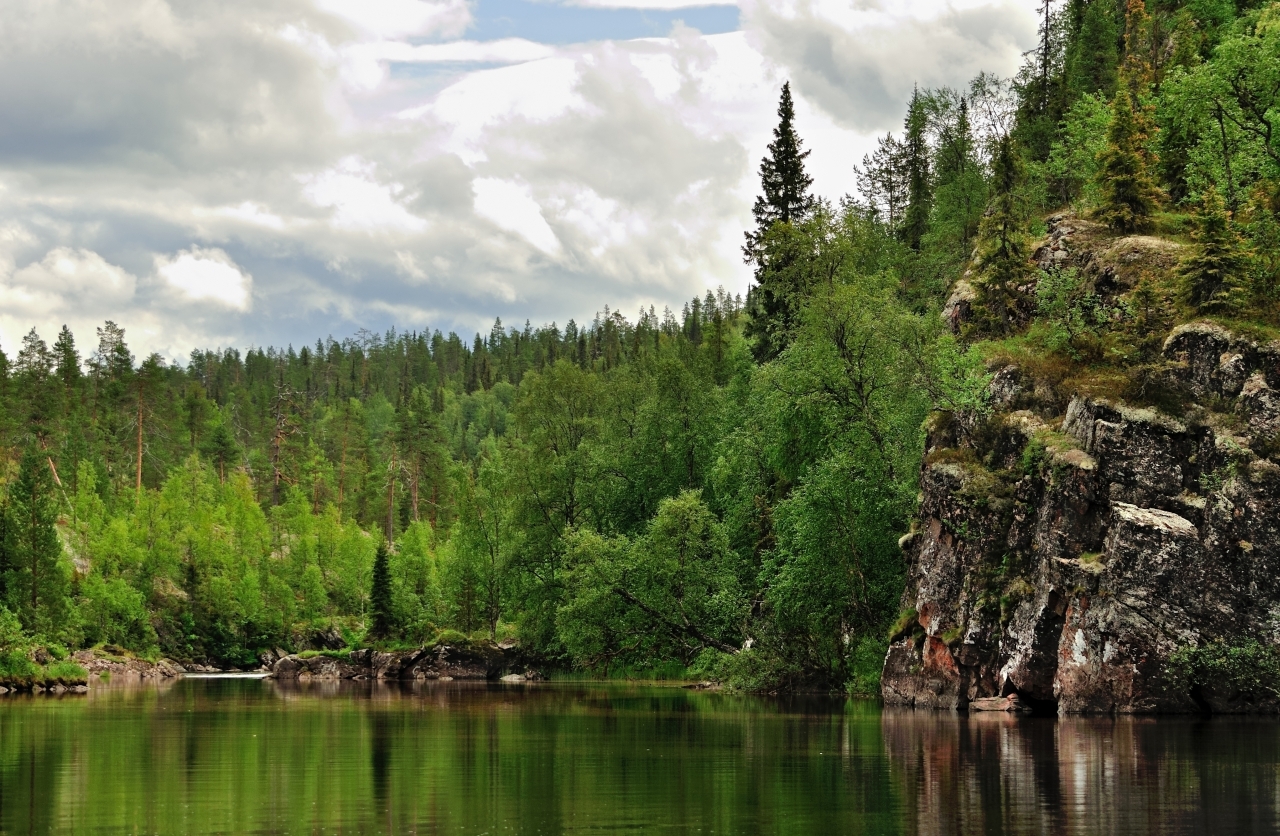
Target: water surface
[(250, 756)]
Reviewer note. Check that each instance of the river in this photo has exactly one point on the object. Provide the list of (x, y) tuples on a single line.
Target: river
[(251, 756)]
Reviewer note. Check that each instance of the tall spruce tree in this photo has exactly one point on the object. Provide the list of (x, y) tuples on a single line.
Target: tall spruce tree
[(1092, 52), (1213, 275), (35, 581), (1003, 244), (1128, 194), (380, 596), (915, 223), (783, 179), (786, 200)]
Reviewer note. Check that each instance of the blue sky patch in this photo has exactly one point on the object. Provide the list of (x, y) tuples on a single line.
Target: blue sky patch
[(552, 23)]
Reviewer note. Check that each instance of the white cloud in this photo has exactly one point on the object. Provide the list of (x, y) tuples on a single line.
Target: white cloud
[(398, 18), (358, 164), (76, 274), (859, 61), (359, 201), (512, 207), (202, 274)]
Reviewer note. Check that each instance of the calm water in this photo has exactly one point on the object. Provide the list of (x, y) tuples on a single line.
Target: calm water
[(237, 756)]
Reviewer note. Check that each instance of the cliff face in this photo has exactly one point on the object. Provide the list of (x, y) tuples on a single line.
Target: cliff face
[(1065, 558)]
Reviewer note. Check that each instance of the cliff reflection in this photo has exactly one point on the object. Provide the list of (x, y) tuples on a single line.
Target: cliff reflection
[(996, 773)]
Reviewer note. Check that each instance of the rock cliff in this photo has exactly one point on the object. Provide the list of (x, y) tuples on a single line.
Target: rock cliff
[(1066, 555)]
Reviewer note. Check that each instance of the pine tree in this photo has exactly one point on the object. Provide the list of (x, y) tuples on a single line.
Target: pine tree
[(36, 580), (1213, 275), (786, 200), (915, 223), (1128, 194), (1003, 243), (380, 596)]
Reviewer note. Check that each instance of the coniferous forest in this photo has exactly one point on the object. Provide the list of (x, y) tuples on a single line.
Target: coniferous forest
[(718, 491)]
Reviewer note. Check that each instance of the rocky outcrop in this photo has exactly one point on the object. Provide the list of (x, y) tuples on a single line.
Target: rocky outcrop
[(1066, 558), (440, 662), (125, 668)]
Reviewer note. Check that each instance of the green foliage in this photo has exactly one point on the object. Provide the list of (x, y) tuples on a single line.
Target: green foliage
[(785, 201), (13, 639), (35, 572), (1128, 194), (1072, 317), (1248, 671), (915, 222), (1003, 243), (1072, 167), (380, 606), (671, 593), (1213, 275)]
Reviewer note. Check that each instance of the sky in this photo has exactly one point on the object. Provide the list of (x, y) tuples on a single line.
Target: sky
[(243, 173)]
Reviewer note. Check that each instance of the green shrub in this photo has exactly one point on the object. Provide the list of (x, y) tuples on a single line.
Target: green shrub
[(449, 636), (16, 667), (1251, 670), (64, 672), (865, 666)]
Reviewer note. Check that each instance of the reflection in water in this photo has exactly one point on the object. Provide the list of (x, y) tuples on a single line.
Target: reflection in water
[(218, 756), (1003, 774)]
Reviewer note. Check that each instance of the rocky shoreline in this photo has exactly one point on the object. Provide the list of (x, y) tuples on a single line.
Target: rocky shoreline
[(442, 662)]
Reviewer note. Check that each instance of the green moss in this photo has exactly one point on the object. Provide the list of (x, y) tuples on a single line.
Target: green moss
[(953, 636), (906, 622), (343, 654)]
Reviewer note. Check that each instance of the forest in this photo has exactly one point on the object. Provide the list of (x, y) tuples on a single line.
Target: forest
[(717, 492)]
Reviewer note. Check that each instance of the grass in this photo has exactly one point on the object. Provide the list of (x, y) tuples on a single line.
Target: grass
[(343, 654), (17, 671), (904, 623)]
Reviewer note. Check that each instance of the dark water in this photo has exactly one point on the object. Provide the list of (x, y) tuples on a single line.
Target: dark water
[(236, 756)]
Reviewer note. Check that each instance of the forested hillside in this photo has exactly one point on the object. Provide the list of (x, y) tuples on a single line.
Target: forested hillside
[(721, 489)]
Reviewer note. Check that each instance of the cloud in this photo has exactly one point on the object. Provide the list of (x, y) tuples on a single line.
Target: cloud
[(399, 18), (202, 274), (859, 61), (512, 207), (359, 201), (311, 167), (76, 274)]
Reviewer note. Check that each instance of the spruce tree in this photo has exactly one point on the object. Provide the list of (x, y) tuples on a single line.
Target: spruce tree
[(67, 359), (1092, 52), (783, 179), (35, 581), (380, 596), (1128, 194), (786, 200), (1003, 244), (1213, 274), (915, 223)]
